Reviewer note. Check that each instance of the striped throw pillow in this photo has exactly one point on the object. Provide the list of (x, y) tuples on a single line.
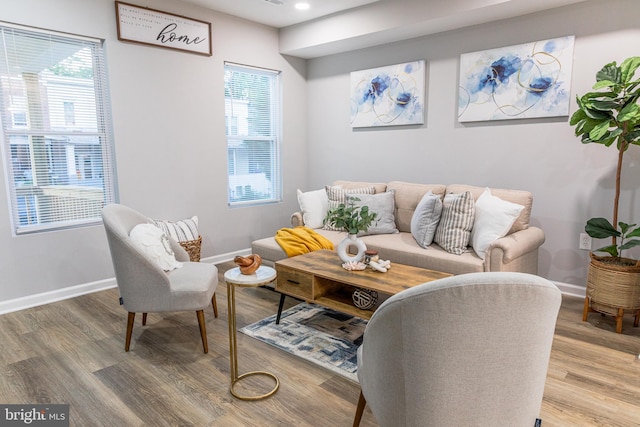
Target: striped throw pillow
[(337, 195), (181, 231), (454, 229)]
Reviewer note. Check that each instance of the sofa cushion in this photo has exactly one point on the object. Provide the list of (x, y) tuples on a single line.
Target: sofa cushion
[(402, 248), (337, 196), (493, 219), (383, 205), (456, 222), (314, 206), (520, 197), (426, 218), (408, 195)]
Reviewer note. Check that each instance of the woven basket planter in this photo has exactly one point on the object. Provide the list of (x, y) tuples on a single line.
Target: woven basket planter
[(193, 248), (613, 289)]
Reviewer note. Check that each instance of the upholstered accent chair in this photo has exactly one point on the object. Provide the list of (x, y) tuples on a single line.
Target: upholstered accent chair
[(466, 350), (144, 286)]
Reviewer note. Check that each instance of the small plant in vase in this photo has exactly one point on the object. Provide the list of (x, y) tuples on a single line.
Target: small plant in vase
[(352, 219)]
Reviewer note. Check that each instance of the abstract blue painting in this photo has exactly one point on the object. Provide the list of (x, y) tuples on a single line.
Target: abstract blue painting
[(516, 82), (388, 96)]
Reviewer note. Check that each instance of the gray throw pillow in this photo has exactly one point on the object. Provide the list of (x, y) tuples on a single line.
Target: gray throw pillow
[(454, 230), (425, 219), (383, 204)]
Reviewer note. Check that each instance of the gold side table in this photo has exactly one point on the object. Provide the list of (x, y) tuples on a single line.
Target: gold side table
[(233, 278)]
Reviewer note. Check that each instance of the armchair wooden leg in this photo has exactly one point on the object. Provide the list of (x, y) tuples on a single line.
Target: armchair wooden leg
[(203, 330), (127, 340), (359, 410), (144, 319), (214, 302)]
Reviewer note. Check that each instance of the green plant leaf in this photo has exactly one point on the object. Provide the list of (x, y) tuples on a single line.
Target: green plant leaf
[(599, 130), (609, 72), (628, 68), (624, 227), (629, 112), (577, 117), (611, 250), (594, 114), (603, 83), (607, 140), (634, 233), (600, 228), (605, 105), (629, 244), (633, 137)]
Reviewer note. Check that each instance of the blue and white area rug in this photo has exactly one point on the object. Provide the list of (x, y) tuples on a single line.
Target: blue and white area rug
[(320, 335)]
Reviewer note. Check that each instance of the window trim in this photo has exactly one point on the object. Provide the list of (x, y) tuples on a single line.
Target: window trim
[(103, 133), (275, 137)]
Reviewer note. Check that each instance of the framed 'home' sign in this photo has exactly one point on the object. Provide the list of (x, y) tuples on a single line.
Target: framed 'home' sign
[(153, 27)]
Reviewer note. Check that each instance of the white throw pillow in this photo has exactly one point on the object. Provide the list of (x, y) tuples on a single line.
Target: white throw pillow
[(314, 206), (154, 245), (425, 219), (494, 218)]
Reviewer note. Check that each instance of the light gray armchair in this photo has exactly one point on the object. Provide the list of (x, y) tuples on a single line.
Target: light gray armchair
[(144, 287), (468, 350)]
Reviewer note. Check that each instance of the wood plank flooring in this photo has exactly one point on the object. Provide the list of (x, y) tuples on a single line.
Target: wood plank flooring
[(72, 352)]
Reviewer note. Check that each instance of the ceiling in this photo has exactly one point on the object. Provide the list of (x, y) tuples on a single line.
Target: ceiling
[(279, 13), (334, 26)]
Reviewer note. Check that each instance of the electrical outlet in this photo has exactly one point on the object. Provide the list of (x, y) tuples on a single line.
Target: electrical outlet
[(585, 242)]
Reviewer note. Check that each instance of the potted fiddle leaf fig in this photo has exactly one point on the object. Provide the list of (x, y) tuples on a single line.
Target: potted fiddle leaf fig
[(610, 115)]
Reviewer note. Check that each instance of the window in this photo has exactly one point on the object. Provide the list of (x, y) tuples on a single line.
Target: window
[(252, 119), (56, 130)]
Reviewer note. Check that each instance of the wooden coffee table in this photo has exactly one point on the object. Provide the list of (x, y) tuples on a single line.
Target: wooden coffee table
[(318, 277)]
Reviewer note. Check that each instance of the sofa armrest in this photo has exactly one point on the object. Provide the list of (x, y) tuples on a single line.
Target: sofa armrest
[(296, 219), (520, 249)]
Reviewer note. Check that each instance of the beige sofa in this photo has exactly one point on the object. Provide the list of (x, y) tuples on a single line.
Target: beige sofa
[(517, 251)]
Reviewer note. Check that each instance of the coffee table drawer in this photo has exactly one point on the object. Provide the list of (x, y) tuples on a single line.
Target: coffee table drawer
[(295, 283)]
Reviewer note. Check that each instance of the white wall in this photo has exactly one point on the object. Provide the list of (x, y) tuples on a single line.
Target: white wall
[(168, 114), (570, 182)]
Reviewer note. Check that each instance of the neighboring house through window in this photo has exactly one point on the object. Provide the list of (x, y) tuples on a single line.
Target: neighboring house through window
[(56, 128), (253, 129)]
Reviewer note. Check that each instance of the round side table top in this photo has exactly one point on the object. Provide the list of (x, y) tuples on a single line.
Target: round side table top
[(262, 276)]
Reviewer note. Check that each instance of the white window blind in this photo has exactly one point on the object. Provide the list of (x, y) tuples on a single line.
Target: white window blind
[(56, 128), (252, 118)]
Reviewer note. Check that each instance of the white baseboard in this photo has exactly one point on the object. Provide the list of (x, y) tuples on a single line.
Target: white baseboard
[(571, 290), (53, 296), (86, 288), (100, 285)]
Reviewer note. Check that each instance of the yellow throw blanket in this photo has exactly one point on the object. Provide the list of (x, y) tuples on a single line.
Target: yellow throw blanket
[(301, 240)]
